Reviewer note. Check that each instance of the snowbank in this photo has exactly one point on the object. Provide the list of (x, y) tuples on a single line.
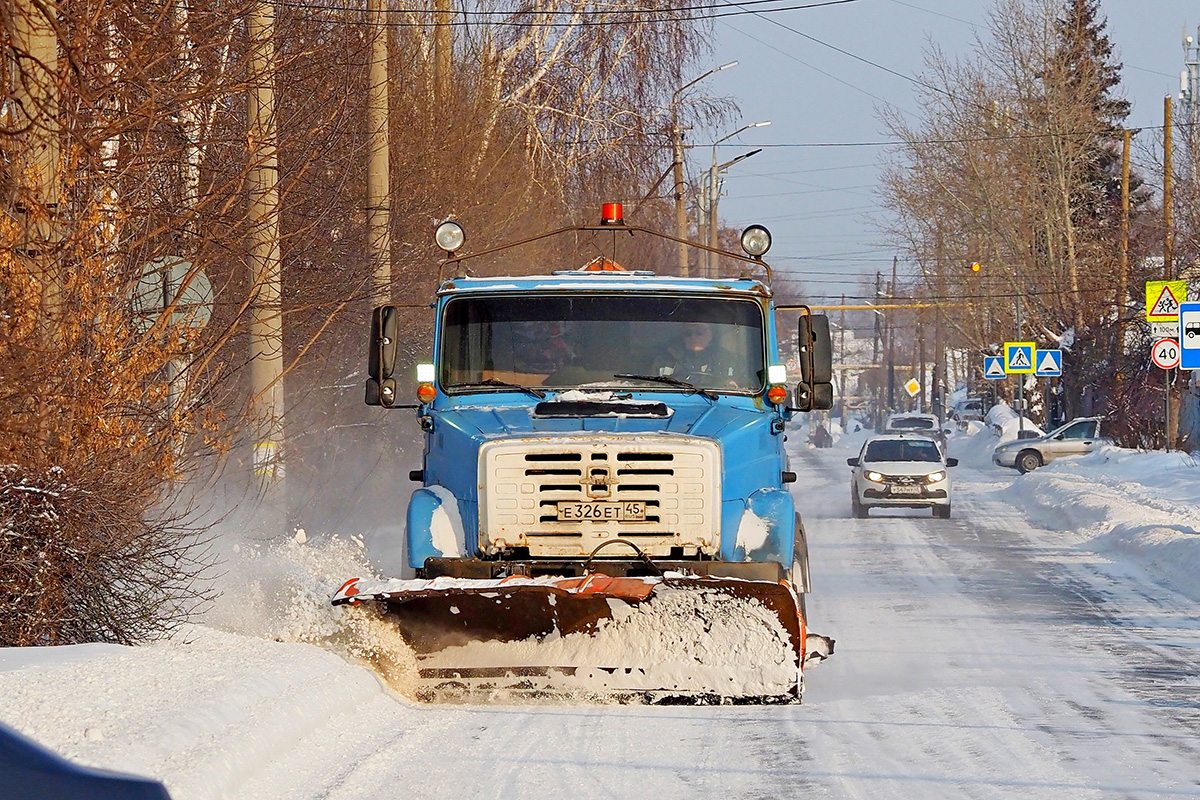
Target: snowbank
[(1128, 505)]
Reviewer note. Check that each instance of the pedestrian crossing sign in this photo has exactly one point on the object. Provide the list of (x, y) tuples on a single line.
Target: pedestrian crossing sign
[(1049, 364), (1163, 299), (993, 367), (1019, 357)]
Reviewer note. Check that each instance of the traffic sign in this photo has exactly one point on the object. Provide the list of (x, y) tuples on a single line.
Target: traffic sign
[(993, 367), (912, 387), (1049, 364), (1189, 341), (1019, 356), (1165, 354), (1163, 299)]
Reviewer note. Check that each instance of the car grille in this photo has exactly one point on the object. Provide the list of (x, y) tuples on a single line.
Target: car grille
[(523, 481)]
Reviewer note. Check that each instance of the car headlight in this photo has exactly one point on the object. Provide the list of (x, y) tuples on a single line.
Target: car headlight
[(934, 477), (874, 477)]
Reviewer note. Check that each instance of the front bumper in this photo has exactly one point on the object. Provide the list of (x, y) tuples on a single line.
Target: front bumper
[(481, 569), (1007, 458), (879, 495)]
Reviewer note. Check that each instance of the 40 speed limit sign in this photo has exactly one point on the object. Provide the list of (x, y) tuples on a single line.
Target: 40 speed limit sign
[(1165, 353)]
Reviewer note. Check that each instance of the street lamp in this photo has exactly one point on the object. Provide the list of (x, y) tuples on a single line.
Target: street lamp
[(677, 132), (711, 258)]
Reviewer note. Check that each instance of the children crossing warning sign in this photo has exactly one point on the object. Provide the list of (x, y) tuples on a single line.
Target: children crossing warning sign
[(1163, 299)]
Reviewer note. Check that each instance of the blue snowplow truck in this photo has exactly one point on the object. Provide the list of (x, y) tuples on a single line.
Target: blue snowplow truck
[(603, 504)]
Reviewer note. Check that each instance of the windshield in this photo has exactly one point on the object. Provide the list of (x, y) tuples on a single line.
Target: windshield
[(561, 341), (911, 423), (903, 450)]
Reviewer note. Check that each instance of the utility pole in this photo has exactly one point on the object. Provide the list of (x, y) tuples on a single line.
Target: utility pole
[(891, 389), (1168, 233), (378, 196), (681, 226), (920, 344), (680, 212), (443, 54), (1123, 284), (875, 345), (34, 107), (1020, 398), (266, 321), (842, 360)]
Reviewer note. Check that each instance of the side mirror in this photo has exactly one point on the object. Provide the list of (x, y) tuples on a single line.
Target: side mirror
[(951, 462), (381, 357), (852, 462), (815, 345)]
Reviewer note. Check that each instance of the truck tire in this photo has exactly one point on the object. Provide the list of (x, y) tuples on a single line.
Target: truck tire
[(798, 576), (1028, 461)]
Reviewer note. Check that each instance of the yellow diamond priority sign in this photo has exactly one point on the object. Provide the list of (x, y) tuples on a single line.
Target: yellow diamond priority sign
[(912, 387), (1163, 299)]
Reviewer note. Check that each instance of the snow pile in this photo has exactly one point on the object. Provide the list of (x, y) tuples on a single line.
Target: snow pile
[(973, 447), (446, 527), (688, 640), (281, 591), (1139, 505), (752, 533), (202, 712), (1005, 423)]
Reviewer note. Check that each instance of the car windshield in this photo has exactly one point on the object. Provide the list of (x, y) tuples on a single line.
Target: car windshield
[(566, 340), (903, 450), (911, 423), (1084, 429)]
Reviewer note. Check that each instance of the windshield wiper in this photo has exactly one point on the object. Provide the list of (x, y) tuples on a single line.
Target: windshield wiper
[(538, 393), (670, 381)]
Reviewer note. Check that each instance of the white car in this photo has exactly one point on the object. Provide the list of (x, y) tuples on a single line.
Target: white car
[(900, 471)]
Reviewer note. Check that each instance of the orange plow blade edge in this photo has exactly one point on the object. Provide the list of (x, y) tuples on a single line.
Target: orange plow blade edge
[(671, 639)]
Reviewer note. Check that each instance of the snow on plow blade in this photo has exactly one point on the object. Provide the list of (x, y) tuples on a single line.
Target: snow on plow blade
[(669, 639)]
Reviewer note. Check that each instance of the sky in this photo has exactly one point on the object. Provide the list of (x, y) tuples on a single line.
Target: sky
[(822, 203)]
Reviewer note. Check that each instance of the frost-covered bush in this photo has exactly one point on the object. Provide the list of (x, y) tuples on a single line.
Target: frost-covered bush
[(80, 561)]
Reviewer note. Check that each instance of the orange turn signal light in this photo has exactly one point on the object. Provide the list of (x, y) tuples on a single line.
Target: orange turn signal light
[(426, 393), (777, 394)]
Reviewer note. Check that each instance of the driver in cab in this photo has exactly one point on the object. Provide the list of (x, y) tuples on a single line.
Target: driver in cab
[(698, 358)]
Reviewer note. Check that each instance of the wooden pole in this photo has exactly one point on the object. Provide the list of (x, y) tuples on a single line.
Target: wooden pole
[(1168, 240), (378, 196), (266, 323), (1123, 284)]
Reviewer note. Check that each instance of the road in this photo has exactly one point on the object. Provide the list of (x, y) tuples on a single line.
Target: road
[(975, 658)]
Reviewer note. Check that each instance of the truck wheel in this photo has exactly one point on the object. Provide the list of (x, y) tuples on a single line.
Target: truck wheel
[(1028, 461), (798, 575)]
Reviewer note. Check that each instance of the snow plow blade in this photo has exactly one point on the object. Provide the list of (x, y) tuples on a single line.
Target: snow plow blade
[(666, 639)]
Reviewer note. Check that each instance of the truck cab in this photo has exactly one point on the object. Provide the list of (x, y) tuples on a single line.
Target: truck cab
[(574, 423)]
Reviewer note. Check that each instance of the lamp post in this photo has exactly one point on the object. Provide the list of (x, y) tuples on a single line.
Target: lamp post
[(681, 227), (710, 257)]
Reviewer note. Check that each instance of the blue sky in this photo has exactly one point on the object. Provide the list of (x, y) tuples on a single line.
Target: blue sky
[(819, 202)]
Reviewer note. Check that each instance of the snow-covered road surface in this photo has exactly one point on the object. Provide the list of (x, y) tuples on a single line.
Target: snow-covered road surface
[(976, 657)]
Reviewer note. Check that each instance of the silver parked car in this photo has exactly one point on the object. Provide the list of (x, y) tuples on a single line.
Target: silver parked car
[(1078, 437), (900, 471)]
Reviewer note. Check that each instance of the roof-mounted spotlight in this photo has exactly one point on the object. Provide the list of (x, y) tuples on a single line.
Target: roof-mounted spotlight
[(756, 241), (450, 236)]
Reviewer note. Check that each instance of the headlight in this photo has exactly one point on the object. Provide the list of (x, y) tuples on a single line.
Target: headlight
[(756, 241), (934, 477), (874, 477), (450, 236)]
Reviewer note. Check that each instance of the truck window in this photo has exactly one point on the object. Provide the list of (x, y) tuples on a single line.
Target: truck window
[(562, 341)]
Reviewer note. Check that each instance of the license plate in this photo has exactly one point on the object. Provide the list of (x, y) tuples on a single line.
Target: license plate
[(602, 512), (906, 490)]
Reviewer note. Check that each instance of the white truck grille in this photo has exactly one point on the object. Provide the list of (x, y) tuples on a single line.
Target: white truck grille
[(531, 488)]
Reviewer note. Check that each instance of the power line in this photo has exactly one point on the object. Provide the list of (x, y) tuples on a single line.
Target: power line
[(630, 15)]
